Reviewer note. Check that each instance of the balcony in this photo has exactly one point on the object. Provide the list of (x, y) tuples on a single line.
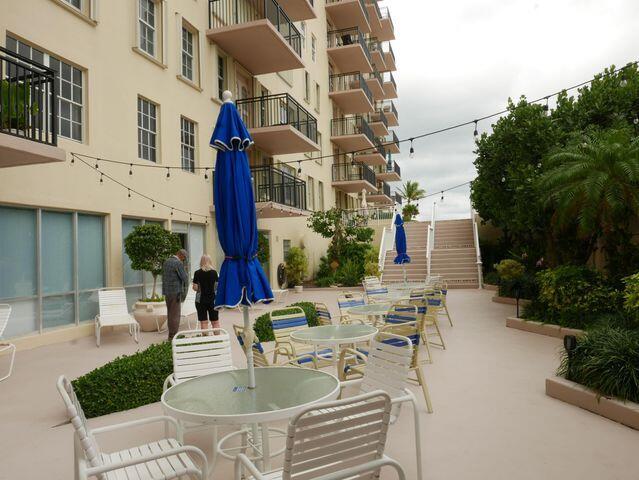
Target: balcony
[(383, 28), (376, 85), (348, 50), (389, 110), (392, 143), (348, 13), (350, 93), (390, 172), (28, 117), (279, 125), (257, 33), (298, 9), (375, 157), (353, 178), (352, 134), (390, 86), (398, 199), (389, 58), (377, 54), (382, 196), (374, 16), (277, 193), (378, 123)]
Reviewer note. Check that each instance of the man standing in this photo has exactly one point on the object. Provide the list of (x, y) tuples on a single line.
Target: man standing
[(174, 285)]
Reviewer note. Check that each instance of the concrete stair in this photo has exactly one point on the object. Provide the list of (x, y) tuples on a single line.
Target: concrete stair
[(454, 255), (416, 237)]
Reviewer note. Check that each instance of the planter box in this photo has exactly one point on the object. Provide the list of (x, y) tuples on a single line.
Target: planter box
[(539, 328), (579, 395), (510, 300), (150, 315)]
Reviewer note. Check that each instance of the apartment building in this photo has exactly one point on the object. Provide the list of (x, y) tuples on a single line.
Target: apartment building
[(140, 82)]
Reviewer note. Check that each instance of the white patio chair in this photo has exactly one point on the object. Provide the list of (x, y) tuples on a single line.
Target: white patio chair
[(332, 441), (163, 459), (114, 313), (188, 309), (199, 352), (388, 364), (5, 313)]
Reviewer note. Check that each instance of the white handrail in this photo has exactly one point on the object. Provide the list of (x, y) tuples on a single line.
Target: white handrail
[(473, 218), (386, 244)]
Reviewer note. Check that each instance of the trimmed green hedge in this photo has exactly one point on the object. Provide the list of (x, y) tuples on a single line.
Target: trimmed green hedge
[(127, 382), (264, 329), (606, 360)]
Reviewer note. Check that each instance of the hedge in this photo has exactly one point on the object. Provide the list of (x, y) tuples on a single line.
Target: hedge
[(127, 382)]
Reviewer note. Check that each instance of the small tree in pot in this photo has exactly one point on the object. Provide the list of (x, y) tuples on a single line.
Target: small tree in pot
[(148, 246), (296, 267)]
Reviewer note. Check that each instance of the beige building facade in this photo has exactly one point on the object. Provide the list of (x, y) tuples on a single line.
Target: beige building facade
[(121, 90)]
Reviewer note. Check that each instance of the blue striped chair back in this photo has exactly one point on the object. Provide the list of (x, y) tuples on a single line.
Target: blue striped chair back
[(401, 314), (323, 314), (347, 301), (259, 356), (287, 321)]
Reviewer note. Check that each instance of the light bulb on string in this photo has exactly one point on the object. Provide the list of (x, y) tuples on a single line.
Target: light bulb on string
[(130, 169), (96, 164), (190, 217), (101, 179), (206, 174), (411, 153), (546, 107), (129, 192), (442, 199), (171, 212), (153, 206), (168, 173), (299, 167), (476, 132), (72, 159)]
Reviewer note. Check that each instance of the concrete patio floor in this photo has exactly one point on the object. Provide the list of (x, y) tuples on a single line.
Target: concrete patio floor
[(492, 419)]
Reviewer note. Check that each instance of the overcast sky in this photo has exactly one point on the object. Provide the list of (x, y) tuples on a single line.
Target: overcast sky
[(459, 60)]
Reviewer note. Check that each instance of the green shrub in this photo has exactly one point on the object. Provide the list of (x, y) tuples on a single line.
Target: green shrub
[(371, 263), (574, 296), (264, 329), (606, 360), (296, 266), (631, 294), (325, 276), (127, 382), (525, 287), (510, 270), (491, 278), (350, 274)]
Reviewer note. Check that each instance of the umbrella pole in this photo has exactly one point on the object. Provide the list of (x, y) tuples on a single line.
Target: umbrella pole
[(248, 343)]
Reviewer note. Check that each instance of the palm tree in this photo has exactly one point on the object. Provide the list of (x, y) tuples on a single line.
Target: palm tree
[(411, 192), (595, 187)]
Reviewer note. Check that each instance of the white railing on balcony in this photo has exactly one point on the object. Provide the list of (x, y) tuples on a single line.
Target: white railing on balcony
[(386, 244), (430, 237), (473, 219), (371, 216)]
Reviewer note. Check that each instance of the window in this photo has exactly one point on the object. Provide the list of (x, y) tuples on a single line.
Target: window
[(310, 193), (187, 135), (75, 3), (318, 155), (67, 291), (68, 86), (147, 18), (303, 35), (188, 54), (320, 195), (307, 87), (221, 76), (313, 47), (317, 97), (147, 130), (286, 247)]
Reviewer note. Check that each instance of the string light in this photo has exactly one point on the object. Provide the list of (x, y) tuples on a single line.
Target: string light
[(129, 192), (190, 217), (206, 174), (476, 132), (168, 173), (411, 153), (299, 167), (101, 179), (72, 159), (130, 169), (171, 212), (96, 164), (546, 106), (442, 199), (153, 206)]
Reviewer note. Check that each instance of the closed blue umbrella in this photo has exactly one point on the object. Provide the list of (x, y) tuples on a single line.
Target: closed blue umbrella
[(400, 243), (242, 281)]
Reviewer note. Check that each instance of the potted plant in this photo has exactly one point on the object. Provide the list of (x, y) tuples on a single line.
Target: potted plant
[(148, 246), (296, 267)]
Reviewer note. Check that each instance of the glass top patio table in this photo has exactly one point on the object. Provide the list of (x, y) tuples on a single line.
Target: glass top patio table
[(224, 398), (334, 334), (373, 309)]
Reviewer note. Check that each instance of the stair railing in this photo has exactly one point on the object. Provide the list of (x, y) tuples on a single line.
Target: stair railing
[(386, 244), (430, 237), (473, 219)]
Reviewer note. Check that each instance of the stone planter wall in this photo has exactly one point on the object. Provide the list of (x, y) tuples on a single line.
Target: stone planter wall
[(539, 328), (581, 396)]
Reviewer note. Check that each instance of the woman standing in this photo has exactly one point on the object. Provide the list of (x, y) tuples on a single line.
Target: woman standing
[(204, 283)]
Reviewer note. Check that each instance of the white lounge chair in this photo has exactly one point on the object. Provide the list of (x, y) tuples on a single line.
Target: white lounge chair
[(188, 309), (388, 364), (114, 313), (333, 441), (199, 352), (5, 313), (163, 459)]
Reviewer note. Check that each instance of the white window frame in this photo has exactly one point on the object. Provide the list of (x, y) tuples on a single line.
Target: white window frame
[(189, 53), (307, 87), (144, 26), (159, 32), (188, 143), (154, 150), (313, 48)]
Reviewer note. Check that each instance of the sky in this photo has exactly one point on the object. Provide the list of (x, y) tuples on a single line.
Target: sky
[(460, 60)]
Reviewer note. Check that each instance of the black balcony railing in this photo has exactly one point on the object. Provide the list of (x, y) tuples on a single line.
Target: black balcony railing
[(348, 36), (389, 49), (28, 100), (274, 110), (374, 75), (351, 126), (374, 45), (271, 184), (398, 198), (385, 14), (392, 166), (347, 172), (223, 13), (386, 106), (343, 82), (384, 189), (388, 77), (361, 2), (378, 11), (377, 117), (392, 138)]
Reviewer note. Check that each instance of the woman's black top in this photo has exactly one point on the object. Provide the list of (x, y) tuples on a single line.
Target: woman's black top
[(206, 282)]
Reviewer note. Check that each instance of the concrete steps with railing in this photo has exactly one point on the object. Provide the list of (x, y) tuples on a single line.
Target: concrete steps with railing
[(454, 256)]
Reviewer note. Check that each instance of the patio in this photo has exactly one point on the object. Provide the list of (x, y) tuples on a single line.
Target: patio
[(492, 419)]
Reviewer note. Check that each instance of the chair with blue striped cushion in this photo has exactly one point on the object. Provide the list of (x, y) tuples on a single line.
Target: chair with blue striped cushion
[(437, 303), (429, 320), (284, 323), (347, 300), (375, 292), (442, 287), (401, 313)]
